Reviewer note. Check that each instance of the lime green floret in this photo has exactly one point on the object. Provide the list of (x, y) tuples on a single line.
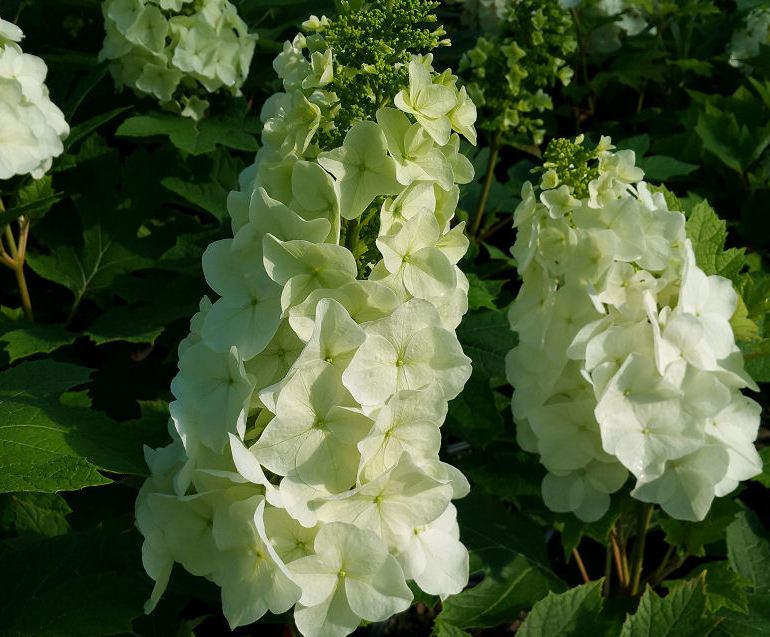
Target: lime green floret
[(372, 48), (574, 164)]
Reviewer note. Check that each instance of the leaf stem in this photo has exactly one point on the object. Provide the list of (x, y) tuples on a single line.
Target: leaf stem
[(580, 565), (607, 571), (622, 575), (494, 150), (637, 555), (666, 567), (15, 260)]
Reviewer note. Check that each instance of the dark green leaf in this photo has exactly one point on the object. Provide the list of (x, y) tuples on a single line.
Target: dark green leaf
[(49, 446), (510, 552), (748, 549), (724, 587), (447, 630), (21, 339), (764, 477), (211, 197), (473, 414), (504, 471), (193, 137), (84, 129), (661, 167), (33, 200), (482, 292), (756, 623), (692, 537), (75, 585), (487, 338), (574, 613), (640, 144), (681, 613), (35, 514)]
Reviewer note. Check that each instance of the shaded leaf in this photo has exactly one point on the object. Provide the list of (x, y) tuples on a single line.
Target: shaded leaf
[(748, 549), (574, 613), (473, 415), (487, 338), (724, 587), (35, 514), (193, 137), (681, 613), (510, 552), (756, 623), (49, 446), (75, 585), (661, 167), (692, 537), (32, 338), (483, 292)]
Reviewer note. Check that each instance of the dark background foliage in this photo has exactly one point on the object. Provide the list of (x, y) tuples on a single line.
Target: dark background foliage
[(113, 270)]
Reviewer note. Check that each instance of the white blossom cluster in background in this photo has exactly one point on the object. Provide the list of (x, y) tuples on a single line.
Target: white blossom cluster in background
[(177, 51), (626, 359), (304, 469), (32, 127), (746, 41)]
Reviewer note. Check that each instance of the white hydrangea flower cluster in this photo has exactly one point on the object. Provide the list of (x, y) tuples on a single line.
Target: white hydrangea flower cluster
[(746, 41), (33, 128), (177, 50), (305, 465), (626, 359)]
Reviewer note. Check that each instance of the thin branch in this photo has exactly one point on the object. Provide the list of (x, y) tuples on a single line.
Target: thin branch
[(622, 575), (637, 555), (494, 150), (15, 260), (580, 565), (607, 571)]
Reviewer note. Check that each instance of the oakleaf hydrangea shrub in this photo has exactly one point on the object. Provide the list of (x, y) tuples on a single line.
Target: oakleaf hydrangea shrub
[(33, 128), (510, 74), (304, 470), (177, 51), (626, 361)]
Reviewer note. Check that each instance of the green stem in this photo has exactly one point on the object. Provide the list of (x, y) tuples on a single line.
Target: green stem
[(637, 555), (607, 570), (580, 565), (15, 260), (494, 150)]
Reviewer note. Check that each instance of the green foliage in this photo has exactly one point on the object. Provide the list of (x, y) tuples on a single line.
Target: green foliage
[(197, 138), (691, 537), (485, 337), (48, 446), (73, 585), (754, 623), (505, 548), (708, 235), (574, 613), (119, 225), (724, 587), (682, 612), (748, 548)]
